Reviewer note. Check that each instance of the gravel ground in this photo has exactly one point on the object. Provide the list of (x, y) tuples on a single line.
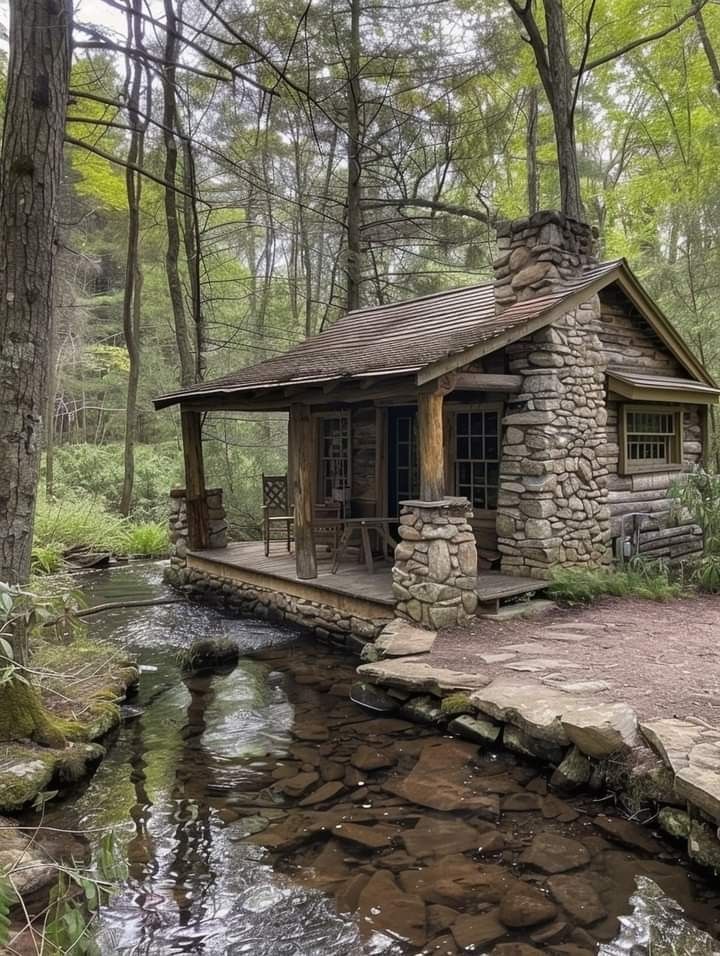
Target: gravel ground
[(661, 658)]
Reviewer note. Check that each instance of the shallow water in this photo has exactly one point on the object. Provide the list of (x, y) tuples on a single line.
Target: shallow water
[(195, 782)]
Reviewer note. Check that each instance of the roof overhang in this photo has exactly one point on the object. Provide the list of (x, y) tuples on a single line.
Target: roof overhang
[(639, 387)]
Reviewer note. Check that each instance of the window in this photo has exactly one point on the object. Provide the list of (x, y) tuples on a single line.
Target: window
[(477, 457), (334, 458), (651, 438), (406, 463)]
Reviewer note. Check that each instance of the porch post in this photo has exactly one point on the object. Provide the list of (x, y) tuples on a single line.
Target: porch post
[(196, 497), (301, 458), (431, 443)]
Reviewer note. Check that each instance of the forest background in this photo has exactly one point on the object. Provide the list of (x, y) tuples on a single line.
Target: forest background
[(299, 159)]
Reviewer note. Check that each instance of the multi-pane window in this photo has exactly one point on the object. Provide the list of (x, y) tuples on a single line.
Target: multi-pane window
[(651, 438), (477, 457), (406, 462), (334, 464)]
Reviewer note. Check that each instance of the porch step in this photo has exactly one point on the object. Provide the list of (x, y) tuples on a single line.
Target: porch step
[(492, 588)]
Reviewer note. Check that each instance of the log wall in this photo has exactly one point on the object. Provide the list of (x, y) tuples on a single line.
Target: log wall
[(627, 340)]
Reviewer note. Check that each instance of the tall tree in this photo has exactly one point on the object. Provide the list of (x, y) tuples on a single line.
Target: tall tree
[(30, 175)]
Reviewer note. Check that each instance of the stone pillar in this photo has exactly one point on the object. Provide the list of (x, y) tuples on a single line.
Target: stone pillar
[(435, 571), (552, 504), (179, 525)]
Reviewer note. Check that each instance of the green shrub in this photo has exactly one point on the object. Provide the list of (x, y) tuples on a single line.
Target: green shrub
[(47, 558), (699, 495), (147, 539), (644, 579)]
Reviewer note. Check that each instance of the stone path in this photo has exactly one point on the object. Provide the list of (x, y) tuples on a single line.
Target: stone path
[(536, 697)]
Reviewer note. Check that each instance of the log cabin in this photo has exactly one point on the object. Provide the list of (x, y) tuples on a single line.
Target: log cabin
[(504, 429)]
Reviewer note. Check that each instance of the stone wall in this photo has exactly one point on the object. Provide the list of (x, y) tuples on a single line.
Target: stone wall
[(435, 572), (179, 524), (552, 505), (334, 625)]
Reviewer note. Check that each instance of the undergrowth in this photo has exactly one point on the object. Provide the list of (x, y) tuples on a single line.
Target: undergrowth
[(642, 579)]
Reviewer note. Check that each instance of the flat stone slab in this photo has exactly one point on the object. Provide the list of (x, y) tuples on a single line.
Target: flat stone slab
[(402, 639), (537, 664), (549, 714), (420, 676), (577, 686), (672, 740), (700, 787), (525, 609)]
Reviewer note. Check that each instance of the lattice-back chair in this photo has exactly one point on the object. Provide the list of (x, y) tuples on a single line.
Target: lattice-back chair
[(276, 508), (328, 534)]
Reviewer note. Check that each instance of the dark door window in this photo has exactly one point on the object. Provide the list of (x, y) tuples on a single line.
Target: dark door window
[(403, 484)]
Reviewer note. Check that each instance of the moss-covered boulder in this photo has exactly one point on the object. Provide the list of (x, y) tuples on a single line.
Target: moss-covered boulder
[(24, 773), (208, 654), (23, 717)]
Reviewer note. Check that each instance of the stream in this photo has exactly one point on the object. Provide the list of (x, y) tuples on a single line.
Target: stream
[(260, 812)]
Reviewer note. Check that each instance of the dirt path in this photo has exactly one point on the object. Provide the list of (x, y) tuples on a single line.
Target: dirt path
[(661, 658)]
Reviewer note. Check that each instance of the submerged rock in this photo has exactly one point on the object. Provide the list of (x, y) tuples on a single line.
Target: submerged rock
[(578, 898), (372, 697), (658, 927), (209, 653), (524, 905), (573, 772), (480, 731), (551, 853)]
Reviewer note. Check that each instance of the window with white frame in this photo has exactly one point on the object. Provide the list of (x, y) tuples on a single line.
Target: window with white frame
[(477, 457)]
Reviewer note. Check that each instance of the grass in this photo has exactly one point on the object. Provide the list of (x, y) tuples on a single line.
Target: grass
[(78, 524), (649, 580)]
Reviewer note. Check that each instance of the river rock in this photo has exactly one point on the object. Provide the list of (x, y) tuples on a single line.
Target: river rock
[(433, 835), (422, 710), (703, 844), (516, 949), (297, 785), (384, 905), (310, 731), (347, 897), (372, 697), (440, 918), (477, 931), (674, 822), (573, 772), (555, 809), (521, 803), (455, 880), (521, 743), (552, 853), (440, 781), (328, 791), (578, 898), (24, 860), (420, 676), (627, 833), (24, 773), (524, 905), (700, 786), (479, 731), (376, 837), (370, 758)]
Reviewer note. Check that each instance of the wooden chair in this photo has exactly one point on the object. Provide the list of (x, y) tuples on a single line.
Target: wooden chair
[(329, 534), (276, 508)]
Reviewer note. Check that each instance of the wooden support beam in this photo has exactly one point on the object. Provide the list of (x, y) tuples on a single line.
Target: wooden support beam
[(195, 495), (487, 382), (301, 468), (431, 445)]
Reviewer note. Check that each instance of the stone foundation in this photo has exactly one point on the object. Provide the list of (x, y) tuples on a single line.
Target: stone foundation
[(337, 627), (435, 572)]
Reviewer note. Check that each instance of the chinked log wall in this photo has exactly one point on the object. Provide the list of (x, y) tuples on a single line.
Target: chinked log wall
[(628, 341)]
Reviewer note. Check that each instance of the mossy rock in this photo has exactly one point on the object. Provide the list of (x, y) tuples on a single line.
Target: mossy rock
[(24, 773), (455, 705), (23, 717), (76, 761), (208, 654)]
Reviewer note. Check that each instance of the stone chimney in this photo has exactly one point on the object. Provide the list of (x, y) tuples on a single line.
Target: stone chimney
[(538, 254)]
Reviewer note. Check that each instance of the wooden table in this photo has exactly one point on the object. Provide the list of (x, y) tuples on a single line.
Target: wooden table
[(362, 526)]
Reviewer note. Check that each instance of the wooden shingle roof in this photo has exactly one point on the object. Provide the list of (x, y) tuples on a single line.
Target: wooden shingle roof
[(420, 336)]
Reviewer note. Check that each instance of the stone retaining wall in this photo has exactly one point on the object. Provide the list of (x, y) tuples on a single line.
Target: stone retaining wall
[(665, 772), (179, 524), (435, 571), (327, 623)]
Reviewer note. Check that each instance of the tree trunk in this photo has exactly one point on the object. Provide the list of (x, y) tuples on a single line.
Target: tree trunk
[(531, 143), (709, 49), (172, 252), (30, 174), (354, 255), (133, 271)]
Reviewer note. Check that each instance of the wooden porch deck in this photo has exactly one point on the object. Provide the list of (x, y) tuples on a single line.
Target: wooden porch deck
[(352, 588)]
